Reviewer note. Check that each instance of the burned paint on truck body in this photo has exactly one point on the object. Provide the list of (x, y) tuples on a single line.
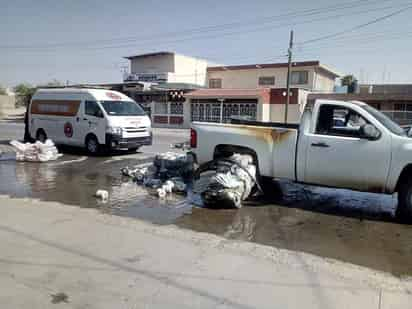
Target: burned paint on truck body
[(274, 147)]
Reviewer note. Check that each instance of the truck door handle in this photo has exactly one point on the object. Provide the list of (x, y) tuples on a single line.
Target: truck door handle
[(321, 144), (85, 119)]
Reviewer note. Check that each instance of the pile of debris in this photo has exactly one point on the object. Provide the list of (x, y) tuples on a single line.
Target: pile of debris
[(230, 183), (36, 152), (223, 183), (168, 173)]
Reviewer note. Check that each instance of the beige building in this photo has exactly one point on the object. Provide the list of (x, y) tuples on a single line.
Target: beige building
[(259, 104), (166, 67), (309, 75)]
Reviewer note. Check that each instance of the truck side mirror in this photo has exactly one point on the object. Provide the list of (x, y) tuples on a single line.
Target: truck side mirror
[(369, 132)]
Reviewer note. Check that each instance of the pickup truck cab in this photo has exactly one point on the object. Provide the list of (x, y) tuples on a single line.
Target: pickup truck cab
[(364, 150)]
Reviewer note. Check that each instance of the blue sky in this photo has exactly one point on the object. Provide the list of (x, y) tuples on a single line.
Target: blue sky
[(85, 40)]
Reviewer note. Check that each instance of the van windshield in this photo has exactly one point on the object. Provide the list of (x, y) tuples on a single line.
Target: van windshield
[(122, 108)]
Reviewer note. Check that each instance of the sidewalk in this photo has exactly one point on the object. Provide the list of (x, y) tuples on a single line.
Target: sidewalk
[(103, 261)]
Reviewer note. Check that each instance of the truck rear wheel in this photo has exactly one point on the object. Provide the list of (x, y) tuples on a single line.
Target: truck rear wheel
[(404, 209)]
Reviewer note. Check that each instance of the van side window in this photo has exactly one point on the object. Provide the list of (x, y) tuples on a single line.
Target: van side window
[(93, 109), (339, 121)]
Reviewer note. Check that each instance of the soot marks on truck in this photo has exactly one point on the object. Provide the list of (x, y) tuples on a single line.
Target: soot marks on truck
[(269, 135)]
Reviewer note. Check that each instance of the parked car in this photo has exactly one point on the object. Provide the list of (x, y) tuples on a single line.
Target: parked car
[(97, 119), (368, 153)]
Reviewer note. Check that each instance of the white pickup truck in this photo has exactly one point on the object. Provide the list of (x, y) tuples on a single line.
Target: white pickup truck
[(337, 144)]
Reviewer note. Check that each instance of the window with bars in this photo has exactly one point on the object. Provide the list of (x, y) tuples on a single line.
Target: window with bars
[(160, 108), (176, 108), (214, 111)]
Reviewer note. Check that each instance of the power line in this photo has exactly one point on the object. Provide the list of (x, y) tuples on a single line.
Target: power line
[(374, 21), (361, 41), (98, 49), (310, 12)]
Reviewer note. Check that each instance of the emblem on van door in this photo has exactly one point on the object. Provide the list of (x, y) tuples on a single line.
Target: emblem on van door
[(68, 129)]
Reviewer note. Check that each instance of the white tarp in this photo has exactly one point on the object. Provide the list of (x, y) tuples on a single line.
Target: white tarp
[(36, 152)]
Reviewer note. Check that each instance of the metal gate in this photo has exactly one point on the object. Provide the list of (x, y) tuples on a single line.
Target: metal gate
[(223, 111)]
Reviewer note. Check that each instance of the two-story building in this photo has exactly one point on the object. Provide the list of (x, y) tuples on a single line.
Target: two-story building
[(158, 82), (176, 89), (258, 91), (308, 75), (166, 67)]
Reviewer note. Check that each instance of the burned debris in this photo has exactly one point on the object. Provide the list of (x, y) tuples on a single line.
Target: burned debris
[(221, 183)]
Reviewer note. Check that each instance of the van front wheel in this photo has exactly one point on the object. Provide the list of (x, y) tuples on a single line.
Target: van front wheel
[(92, 145)]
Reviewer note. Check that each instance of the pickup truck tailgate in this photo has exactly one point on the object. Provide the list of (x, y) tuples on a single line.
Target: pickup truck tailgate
[(275, 147)]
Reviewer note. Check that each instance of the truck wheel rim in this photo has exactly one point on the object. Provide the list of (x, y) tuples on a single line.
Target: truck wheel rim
[(92, 145)]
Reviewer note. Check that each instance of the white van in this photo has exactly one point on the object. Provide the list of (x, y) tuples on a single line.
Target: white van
[(97, 119)]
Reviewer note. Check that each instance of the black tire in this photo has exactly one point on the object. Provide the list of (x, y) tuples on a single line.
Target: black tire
[(92, 145), (270, 187), (41, 136), (404, 209)]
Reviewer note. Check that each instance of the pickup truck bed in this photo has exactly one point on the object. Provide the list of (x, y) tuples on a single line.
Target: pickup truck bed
[(275, 143)]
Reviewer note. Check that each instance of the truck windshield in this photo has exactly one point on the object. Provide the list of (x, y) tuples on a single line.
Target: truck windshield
[(385, 120), (122, 108)]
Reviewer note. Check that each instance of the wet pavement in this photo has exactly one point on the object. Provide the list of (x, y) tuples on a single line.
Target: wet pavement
[(349, 226)]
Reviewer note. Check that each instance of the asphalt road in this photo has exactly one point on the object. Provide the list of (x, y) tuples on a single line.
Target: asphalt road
[(163, 138), (353, 227)]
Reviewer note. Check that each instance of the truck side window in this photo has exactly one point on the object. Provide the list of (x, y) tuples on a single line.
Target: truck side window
[(339, 121), (93, 109)]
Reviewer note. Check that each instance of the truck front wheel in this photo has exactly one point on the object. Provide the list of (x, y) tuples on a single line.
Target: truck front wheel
[(404, 209)]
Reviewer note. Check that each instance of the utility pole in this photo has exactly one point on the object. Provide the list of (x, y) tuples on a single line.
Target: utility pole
[(288, 77)]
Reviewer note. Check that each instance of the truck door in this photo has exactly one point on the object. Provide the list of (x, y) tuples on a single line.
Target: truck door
[(338, 156)]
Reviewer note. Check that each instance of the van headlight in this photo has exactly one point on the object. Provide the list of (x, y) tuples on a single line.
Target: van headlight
[(114, 130)]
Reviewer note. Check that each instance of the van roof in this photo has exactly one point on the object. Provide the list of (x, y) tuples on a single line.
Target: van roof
[(97, 94)]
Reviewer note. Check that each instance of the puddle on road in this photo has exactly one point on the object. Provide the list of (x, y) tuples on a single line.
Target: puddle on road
[(349, 226), (76, 182)]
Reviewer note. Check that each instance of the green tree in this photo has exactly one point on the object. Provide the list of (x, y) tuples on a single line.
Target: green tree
[(350, 81), (24, 92), (3, 90)]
